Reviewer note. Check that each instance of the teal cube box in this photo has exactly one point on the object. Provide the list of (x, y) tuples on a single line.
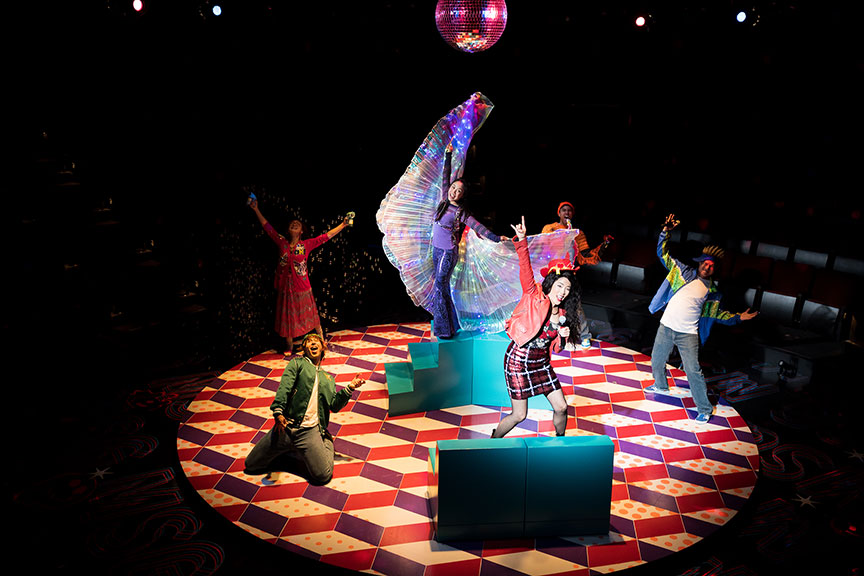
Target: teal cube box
[(489, 386), (477, 488), (569, 485), (439, 376)]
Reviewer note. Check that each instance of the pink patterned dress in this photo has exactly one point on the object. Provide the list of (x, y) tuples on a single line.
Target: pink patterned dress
[(296, 312)]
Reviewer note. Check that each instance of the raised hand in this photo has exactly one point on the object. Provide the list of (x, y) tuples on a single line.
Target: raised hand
[(519, 229), (670, 223)]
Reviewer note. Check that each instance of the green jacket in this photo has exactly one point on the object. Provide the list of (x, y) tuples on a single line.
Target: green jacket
[(295, 389)]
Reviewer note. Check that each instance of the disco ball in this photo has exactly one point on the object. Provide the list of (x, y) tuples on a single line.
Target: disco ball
[(471, 25)]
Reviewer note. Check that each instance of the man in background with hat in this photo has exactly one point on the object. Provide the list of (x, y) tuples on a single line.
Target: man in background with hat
[(692, 305), (584, 256)]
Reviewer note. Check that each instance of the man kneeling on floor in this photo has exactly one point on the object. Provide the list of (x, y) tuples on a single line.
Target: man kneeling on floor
[(301, 410)]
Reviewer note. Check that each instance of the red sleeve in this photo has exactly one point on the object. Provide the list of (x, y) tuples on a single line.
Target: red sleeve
[(275, 236), (315, 242), (526, 273)]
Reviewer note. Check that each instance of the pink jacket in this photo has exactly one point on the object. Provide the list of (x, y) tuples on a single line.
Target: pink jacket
[(533, 308)]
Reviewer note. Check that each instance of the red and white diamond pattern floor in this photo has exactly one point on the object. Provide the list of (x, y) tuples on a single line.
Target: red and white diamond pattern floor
[(675, 481)]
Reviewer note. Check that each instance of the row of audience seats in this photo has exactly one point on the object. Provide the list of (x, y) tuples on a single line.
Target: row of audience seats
[(802, 295)]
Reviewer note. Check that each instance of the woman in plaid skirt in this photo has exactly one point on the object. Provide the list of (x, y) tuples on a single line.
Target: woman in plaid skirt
[(543, 318)]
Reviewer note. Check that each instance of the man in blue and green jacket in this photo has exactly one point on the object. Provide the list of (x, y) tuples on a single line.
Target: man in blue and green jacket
[(692, 305), (301, 413)]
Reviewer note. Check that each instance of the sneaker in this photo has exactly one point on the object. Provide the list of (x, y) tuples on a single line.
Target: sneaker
[(655, 390), (586, 343), (702, 418)]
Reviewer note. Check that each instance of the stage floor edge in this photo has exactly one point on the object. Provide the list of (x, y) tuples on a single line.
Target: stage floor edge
[(675, 482)]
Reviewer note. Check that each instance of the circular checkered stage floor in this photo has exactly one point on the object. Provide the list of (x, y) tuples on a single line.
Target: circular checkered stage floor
[(675, 482)]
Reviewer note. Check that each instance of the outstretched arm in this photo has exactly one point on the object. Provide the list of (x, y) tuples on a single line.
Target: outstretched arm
[(445, 172), (480, 229), (526, 273), (748, 315), (711, 309), (341, 398), (662, 246), (586, 256), (254, 205), (334, 231)]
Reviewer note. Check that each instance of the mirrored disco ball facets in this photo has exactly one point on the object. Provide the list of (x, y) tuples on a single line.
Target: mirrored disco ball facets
[(471, 25)]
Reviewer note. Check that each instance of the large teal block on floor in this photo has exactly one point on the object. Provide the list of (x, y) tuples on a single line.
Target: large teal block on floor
[(569, 485), (438, 376), (489, 387), (477, 488)]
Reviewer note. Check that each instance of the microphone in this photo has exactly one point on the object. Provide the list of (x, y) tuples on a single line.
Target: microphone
[(562, 321), (569, 224)]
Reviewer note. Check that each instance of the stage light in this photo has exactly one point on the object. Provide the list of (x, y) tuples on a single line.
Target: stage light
[(126, 8), (210, 9), (471, 25), (747, 17), (643, 22)]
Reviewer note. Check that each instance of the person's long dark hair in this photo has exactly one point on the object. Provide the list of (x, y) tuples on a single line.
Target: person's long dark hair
[(570, 304), (462, 212)]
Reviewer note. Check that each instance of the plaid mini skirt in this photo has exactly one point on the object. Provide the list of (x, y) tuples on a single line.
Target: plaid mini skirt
[(528, 372)]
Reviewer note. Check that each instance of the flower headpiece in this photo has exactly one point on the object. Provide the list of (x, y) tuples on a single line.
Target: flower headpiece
[(558, 265)]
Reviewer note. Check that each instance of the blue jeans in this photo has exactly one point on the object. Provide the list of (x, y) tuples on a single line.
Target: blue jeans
[(688, 347), (444, 321)]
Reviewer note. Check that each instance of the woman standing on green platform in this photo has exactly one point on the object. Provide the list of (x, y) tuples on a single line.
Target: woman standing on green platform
[(544, 318)]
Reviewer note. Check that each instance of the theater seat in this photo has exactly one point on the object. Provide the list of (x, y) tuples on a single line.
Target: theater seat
[(631, 277), (773, 251), (598, 275), (822, 319), (780, 308)]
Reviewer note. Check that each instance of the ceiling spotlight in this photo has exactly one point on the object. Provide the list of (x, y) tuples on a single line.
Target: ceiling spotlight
[(126, 8), (210, 9), (643, 21), (747, 17)]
